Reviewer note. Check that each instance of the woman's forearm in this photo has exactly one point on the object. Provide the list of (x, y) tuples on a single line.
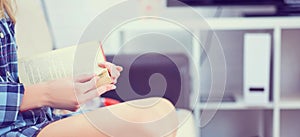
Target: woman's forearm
[(34, 97), (67, 93)]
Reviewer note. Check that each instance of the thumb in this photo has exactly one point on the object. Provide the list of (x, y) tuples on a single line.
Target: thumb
[(102, 65), (119, 68), (84, 78), (96, 92)]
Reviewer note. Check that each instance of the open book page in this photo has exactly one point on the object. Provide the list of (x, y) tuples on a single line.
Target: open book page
[(61, 63)]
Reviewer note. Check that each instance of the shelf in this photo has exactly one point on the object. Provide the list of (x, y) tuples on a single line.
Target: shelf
[(215, 23), (252, 23), (290, 70), (233, 106), (268, 120), (238, 104), (290, 102)]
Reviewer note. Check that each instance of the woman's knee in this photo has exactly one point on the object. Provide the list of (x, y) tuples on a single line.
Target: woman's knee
[(146, 117), (166, 104), (154, 108), (160, 103), (162, 120)]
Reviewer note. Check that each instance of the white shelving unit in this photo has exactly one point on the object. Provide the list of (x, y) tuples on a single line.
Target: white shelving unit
[(278, 118)]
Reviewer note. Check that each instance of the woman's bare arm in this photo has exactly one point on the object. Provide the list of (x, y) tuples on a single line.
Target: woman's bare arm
[(65, 93), (34, 97), (68, 93)]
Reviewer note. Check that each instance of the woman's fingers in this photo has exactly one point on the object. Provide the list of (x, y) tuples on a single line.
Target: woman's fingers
[(119, 68), (86, 86), (109, 65), (113, 70), (84, 78), (114, 74), (102, 65), (106, 88), (88, 96), (95, 93)]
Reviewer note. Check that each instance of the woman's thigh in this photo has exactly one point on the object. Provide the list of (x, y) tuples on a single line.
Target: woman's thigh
[(146, 117)]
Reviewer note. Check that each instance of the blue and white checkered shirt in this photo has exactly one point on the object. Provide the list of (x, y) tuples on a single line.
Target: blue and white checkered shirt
[(14, 123)]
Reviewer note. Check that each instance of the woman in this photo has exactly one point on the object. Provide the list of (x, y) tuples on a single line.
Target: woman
[(26, 110)]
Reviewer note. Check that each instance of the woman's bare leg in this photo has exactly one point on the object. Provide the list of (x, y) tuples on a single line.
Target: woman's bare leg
[(122, 120)]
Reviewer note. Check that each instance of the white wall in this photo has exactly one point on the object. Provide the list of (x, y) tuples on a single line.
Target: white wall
[(32, 33), (70, 17)]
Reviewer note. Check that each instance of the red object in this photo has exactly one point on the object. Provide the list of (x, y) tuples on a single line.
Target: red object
[(109, 102)]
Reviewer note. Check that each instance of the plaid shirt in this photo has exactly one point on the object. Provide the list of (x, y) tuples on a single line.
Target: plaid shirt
[(14, 123)]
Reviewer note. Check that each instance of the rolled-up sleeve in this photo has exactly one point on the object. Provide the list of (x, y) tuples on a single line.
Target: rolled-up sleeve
[(11, 95)]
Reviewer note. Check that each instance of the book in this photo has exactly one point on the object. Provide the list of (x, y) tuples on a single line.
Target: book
[(65, 62)]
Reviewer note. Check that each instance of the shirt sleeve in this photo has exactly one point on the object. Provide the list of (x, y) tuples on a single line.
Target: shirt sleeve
[(11, 95), (11, 91)]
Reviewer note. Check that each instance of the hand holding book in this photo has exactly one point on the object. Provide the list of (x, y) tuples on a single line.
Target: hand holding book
[(54, 71)]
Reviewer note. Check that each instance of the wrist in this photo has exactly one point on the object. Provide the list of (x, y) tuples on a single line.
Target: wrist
[(35, 96), (44, 89)]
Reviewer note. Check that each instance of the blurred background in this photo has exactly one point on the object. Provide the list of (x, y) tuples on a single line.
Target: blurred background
[(46, 25), (60, 23)]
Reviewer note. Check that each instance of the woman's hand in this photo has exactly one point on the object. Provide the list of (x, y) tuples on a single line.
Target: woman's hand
[(113, 69), (68, 93), (71, 93), (65, 93)]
